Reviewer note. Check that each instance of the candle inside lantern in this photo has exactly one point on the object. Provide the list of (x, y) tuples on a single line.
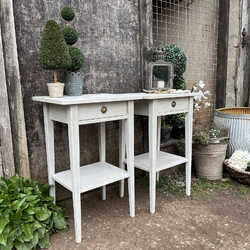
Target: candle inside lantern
[(161, 84)]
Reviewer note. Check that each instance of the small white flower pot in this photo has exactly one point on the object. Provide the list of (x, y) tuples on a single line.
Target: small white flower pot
[(55, 89)]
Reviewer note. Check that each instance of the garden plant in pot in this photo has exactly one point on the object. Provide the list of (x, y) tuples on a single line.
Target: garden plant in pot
[(209, 143), (209, 150), (54, 55), (74, 78)]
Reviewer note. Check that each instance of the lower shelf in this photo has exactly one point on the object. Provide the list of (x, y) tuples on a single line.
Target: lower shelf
[(164, 161), (92, 176)]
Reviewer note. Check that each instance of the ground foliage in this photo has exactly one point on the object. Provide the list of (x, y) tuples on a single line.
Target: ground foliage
[(28, 215)]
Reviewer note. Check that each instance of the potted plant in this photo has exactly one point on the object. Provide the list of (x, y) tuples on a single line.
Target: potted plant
[(209, 150), (54, 55), (74, 78)]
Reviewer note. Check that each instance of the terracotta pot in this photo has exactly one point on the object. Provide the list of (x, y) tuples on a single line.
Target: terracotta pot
[(55, 89)]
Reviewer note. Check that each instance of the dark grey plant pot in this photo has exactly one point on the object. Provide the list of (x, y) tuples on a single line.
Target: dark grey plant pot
[(74, 83)]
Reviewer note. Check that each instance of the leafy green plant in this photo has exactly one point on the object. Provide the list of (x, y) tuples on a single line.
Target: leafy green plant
[(77, 58), (28, 214), (208, 135), (54, 53), (71, 37), (68, 13)]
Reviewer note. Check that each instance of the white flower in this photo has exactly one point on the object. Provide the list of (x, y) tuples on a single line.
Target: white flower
[(202, 84), (207, 104), (239, 159), (197, 106), (195, 88), (207, 92)]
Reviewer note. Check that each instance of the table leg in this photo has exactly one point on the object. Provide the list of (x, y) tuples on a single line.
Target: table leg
[(122, 153), (50, 149), (158, 142), (129, 129), (102, 151), (152, 154), (188, 145), (74, 150)]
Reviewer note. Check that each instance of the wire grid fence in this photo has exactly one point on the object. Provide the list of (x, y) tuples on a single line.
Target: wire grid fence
[(193, 26)]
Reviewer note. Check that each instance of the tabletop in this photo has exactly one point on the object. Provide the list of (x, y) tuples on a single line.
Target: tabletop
[(97, 98)]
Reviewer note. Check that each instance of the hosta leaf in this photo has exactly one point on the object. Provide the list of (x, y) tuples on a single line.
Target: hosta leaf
[(30, 210), (4, 236), (3, 223), (59, 221), (23, 246), (27, 229), (41, 232), (44, 242), (42, 213), (35, 239)]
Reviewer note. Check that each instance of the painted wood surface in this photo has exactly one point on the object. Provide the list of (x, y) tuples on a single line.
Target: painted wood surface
[(7, 167), (14, 88)]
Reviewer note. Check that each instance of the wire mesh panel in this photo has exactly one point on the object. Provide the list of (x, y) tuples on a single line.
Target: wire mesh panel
[(193, 26)]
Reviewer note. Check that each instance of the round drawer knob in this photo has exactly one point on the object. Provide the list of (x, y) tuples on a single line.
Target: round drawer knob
[(173, 104), (104, 109)]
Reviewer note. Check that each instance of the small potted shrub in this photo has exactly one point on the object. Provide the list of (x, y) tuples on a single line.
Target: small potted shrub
[(74, 78), (28, 215), (209, 150), (54, 55)]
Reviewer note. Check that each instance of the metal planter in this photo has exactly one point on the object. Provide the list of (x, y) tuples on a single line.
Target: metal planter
[(238, 122), (74, 84)]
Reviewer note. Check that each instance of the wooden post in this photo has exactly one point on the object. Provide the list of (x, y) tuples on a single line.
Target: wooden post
[(222, 55), (7, 167), (14, 88)]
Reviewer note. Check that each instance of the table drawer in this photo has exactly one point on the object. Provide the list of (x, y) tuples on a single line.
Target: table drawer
[(175, 105), (102, 110)]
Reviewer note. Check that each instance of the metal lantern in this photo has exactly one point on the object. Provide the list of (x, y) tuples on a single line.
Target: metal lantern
[(161, 75)]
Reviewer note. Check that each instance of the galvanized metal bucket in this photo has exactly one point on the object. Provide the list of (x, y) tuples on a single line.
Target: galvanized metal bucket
[(208, 160), (238, 122), (74, 83)]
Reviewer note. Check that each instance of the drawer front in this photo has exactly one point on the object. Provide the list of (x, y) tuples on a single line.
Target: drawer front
[(101, 110), (172, 106)]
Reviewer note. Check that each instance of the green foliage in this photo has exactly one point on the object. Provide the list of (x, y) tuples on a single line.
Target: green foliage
[(205, 136), (77, 58), (248, 167), (54, 53), (68, 13), (70, 35), (179, 82), (28, 215)]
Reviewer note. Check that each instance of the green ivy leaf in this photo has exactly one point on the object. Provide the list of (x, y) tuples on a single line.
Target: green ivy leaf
[(42, 213), (44, 242), (3, 223), (28, 232), (59, 221)]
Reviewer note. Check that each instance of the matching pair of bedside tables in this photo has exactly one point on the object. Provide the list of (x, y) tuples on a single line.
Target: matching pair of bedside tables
[(100, 108)]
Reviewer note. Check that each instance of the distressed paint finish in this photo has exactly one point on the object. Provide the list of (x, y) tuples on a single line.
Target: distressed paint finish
[(109, 38)]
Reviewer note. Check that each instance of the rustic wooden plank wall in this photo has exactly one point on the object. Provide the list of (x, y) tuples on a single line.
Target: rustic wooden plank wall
[(14, 88), (109, 36)]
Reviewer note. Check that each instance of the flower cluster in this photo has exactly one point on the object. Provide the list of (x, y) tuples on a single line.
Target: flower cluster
[(201, 98), (240, 159)]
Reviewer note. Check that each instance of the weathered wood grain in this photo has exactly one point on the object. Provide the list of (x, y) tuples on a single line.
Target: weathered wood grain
[(14, 88), (108, 37), (7, 167)]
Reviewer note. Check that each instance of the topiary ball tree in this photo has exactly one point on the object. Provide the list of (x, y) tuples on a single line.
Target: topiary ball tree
[(77, 58), (54, 52), (68, 13), (70, 35)]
